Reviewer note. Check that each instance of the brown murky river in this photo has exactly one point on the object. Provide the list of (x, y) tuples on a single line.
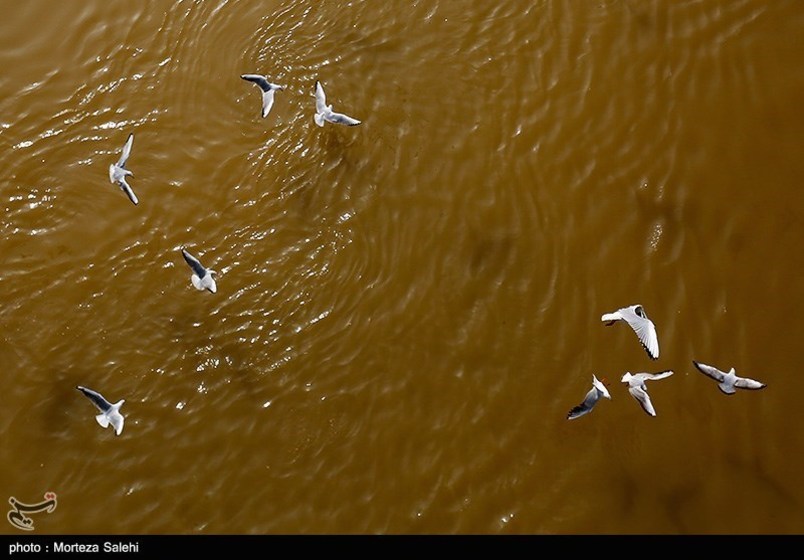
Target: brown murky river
[(406, 309)]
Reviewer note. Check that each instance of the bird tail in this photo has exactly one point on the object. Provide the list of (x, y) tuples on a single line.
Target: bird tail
[(610, 317), (319, 119), (727, 388), (103, 420)]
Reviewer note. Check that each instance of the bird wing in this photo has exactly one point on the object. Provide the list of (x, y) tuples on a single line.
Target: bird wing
[(340, 118), (710, 371), (320, 98), (746, 383), (654, 376), (97, 399), (117, 421), (194, 263), (126, 151), (208, 282), (267, 102), (645, 331), (127, 189), (642, 397), (586, 406), (257, 80)]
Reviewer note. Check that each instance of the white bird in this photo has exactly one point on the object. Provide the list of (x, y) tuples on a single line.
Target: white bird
[(110, 413), (323, 112), (267, 88), (644, 328), (638, 390), (202, 278), (728, 382), (590, 400), (118, 171)]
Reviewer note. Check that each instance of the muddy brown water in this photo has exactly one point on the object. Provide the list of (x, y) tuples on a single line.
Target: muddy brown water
[(406, 310)]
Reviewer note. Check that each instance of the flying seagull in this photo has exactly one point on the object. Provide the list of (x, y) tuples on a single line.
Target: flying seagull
[(267, 88), (644, 328), (202, 278), (110, 413), (323, 112), (590, 400), (728, 382), (118, 171), (638, 390)]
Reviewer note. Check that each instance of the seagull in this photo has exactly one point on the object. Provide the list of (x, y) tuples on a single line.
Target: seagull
[(598, 390), (635, 316), (638, 390), (110, 413), (323, 112), (727, 382), (267, 88), (118, 171), (202, 278)]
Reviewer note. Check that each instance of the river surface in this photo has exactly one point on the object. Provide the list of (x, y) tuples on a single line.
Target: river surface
[(406, 309)]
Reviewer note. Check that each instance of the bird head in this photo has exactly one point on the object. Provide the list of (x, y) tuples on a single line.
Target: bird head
[(601, 386)]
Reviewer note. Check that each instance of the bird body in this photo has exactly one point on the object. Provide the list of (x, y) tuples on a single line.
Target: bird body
[(590, 400), (728, 382), (110, 413), (638, 389), (118, 171), (202, 278), (324, 112), (638, 320), (267, 89)]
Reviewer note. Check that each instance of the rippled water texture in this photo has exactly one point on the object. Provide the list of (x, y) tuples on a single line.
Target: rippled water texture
[(407, 309)]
